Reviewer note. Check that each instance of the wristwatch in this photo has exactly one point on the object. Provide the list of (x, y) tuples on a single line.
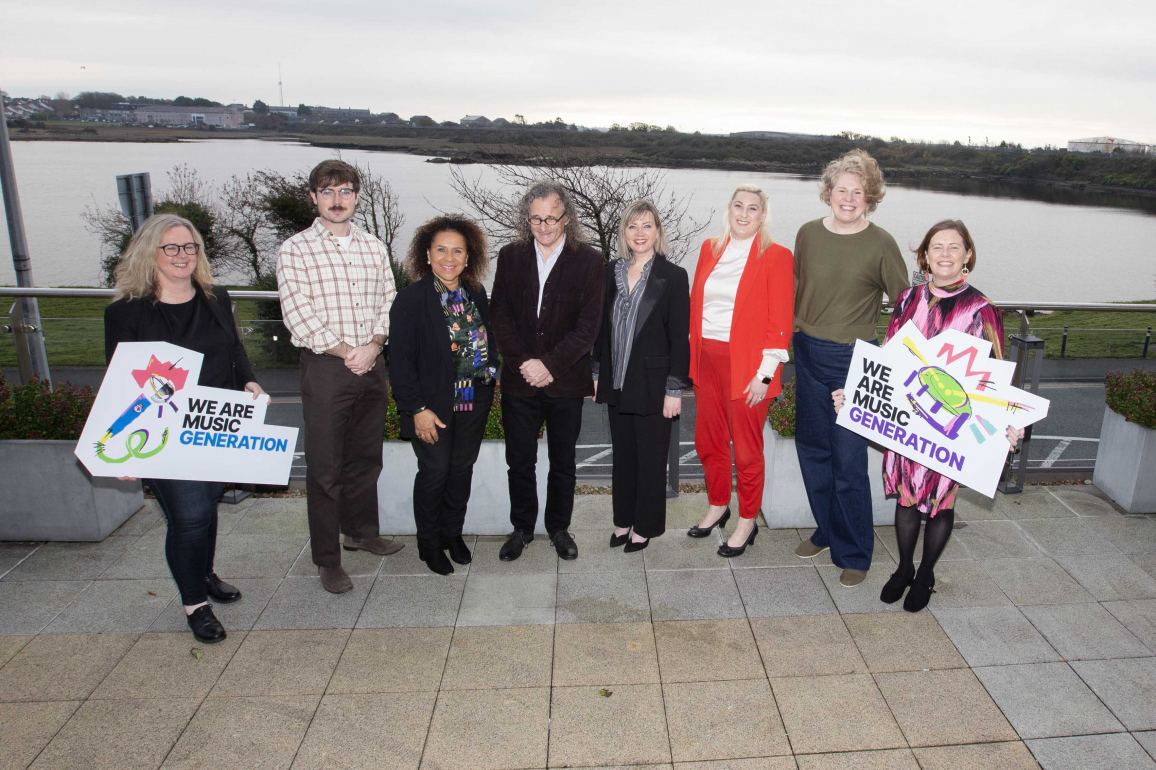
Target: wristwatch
[(766, 380), (417, 411)]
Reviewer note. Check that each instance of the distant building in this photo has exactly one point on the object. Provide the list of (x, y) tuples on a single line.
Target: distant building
[(24, 108), (341, 113), (1109, 144), (475, 121), (168, 115), (289, 112), (424, 121), (500, 123), (392, 119)]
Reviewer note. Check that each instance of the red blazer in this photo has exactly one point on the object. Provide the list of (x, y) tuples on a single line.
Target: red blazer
[(763, 314)]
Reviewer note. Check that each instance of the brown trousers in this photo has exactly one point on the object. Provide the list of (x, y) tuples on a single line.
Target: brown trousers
[(344, 429)]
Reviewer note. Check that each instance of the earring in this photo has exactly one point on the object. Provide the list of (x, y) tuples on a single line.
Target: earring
[(966, 273)]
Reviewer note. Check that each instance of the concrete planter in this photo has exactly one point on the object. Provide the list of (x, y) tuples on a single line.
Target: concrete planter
[(46, 494), (1124, 463), (784, 496), (489, 509)]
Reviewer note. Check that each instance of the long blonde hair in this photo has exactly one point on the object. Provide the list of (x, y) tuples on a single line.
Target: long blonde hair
[(136, 272), (763, 237), (634, 211)]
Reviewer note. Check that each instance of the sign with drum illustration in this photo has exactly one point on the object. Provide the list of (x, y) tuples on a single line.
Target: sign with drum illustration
[(942, 402), (152, 420)]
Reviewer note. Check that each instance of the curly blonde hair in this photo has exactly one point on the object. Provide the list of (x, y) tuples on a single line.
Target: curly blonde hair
[(136, 272), (862, 165)]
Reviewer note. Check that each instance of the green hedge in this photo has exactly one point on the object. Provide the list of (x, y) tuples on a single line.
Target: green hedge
[(1132, 396), (34, 411), (782, 412), (494, 427)]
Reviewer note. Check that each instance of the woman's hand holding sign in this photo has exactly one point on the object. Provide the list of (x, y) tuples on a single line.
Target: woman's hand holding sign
[(838, 399)]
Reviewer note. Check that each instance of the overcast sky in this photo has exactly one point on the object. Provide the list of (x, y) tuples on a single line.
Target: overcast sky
[(1026, 71)]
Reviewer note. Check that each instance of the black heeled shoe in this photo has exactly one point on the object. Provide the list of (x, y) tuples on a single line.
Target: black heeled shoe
[(727, 552), (633, 547), (435, 559), (704, 531), (459, 551), (617, 541), (919, 595), (896, 585)]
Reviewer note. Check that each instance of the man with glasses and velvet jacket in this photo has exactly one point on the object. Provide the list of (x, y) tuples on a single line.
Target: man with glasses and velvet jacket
[(544, 315), (336, 289)]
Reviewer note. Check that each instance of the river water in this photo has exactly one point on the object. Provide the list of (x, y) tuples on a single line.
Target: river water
[(1032, 245)]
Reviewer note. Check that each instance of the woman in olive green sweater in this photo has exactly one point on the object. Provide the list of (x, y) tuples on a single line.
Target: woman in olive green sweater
[(843, 266)]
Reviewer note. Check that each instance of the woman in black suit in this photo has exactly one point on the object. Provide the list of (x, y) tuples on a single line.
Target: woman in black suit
[(442, 367), (641, 359)]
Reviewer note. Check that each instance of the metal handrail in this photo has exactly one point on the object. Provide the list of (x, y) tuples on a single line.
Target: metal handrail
[(14, 291)]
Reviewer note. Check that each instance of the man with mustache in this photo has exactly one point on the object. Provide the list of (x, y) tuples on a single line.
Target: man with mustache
[(336, 289)]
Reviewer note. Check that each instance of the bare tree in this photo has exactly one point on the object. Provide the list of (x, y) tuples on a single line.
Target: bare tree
[(379, 208), (600, 194), (249, 242)]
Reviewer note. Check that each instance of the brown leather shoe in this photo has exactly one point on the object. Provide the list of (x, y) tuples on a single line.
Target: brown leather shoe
[(382, 546), (335, 580)]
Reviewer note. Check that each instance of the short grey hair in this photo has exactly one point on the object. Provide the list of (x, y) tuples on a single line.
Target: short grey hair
[(546, 188)]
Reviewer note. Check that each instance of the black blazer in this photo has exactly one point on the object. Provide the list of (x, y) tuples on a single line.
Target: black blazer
[(141, 320), (421, 367), (571, 313), (661, 345)]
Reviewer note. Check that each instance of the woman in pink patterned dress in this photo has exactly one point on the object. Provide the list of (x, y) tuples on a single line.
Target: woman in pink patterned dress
[(946, 301)]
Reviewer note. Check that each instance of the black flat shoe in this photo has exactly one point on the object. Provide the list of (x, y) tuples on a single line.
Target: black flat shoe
[(515, 542), (459, 551), (727, 552), (220, 591), (632, 546), (564, 544), (435, 559), (918, 595), (617, 541), (205, 626), (893, 590), (704, 531)]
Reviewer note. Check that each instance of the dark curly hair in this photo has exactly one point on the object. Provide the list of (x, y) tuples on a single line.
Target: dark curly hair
[(477, 248)]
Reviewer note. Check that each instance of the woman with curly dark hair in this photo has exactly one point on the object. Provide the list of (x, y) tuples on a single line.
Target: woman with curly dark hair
[(443, 368)]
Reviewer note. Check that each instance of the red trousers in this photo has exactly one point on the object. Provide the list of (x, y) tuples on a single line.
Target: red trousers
[(721, 422)]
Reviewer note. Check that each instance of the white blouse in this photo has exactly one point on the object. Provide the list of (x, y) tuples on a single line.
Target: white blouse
[(718, 302)]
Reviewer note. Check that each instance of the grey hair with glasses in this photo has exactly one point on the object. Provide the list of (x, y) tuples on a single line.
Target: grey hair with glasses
[(546, 188)]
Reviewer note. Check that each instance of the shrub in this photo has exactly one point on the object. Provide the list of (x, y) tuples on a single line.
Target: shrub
[(1133, 396), (782, 412), (34, 411), (494, 428)]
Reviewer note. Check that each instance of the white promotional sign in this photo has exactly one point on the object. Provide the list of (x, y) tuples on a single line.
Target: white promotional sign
[(152, 420), (944, 403)]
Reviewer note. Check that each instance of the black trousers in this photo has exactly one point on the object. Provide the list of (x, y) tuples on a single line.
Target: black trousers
[(190, 509), (640, 443), (522, 418), (344, 429), (445, 469)]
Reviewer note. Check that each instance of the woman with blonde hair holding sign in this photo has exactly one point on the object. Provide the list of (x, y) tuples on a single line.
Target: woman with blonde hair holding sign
[(740, 322), (947, 301), (165, 292)]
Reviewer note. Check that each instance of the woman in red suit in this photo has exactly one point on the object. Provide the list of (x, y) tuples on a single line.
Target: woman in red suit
[(741, 310)]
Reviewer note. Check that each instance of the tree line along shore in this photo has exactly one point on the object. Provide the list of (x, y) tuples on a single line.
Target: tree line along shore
[(1042, 167)]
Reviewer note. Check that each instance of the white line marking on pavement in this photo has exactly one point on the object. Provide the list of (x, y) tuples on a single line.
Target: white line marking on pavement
[(589, 461), (1055, 455), (682, 460), (1065, 438)]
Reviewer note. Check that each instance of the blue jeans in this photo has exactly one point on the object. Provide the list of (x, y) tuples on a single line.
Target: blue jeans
[(190, 508), (833, 459)]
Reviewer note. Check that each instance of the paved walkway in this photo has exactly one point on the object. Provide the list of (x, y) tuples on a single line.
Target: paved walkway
[(1040, 648)]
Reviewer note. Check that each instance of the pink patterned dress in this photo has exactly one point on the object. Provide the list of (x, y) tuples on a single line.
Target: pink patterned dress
[(934, 309)]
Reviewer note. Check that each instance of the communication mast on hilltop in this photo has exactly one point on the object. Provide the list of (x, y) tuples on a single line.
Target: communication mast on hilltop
[(280, 89)]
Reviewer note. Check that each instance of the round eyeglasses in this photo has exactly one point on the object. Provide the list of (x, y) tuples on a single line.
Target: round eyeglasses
[(174, 249)]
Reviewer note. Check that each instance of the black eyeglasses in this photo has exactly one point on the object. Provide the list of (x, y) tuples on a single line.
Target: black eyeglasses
[(173, 249), (545, 220)]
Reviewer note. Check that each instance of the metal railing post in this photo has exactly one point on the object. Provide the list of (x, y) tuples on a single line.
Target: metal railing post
[(672, 459), (19, 331), (1147, 340), (1029, 351), (1064, 343)]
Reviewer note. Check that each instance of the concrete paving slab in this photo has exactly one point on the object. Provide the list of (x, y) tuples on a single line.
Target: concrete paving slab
[(10, 645), (258, 556), (64, 667), (887, 759), (28, 727), (596, 555), (1084, 632), (607, 597), (965, 584), (1127, 687), (1131, 534), (1092, 752), (145, 559), (274, 516), (12, 554), (237, 616), (537, 557), (142, 521), (627, 727), (973, 506), (997, 540), (301, 602), (994, 636), (675, 550), (499, 656), (347, 732), (604, 654), (1066, 536), (121, 734), (407, 562), (761, 763), (863, 598), (1138, 616), (489, 730), (162, 665), (1033, 503), (110, 606), (1110, 577), (26, 608), (693, 595), (902, 642), (938, 708), (723, 720), (1086, 500), (983, 756), (398, 601), (1148, 741), (824, 714), (1035, 581), (275, 727), (772, 548), (509, 600), (807, 645), (392, 660), (70, 561), (282, 663), (704, 651), (356, 564), (1045, 700), (778, 591)]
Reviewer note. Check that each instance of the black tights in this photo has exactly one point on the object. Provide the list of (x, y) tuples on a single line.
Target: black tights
[(935, 536)]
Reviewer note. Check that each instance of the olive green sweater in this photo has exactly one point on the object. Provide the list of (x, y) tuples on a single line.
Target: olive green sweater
[(840, 281)]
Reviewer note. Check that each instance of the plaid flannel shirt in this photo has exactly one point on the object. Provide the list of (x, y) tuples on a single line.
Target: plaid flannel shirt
[(330, 296)]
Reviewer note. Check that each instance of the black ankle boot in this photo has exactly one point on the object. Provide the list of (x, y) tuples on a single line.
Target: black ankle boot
[(435, 559), (458, 549), (893, 590)]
